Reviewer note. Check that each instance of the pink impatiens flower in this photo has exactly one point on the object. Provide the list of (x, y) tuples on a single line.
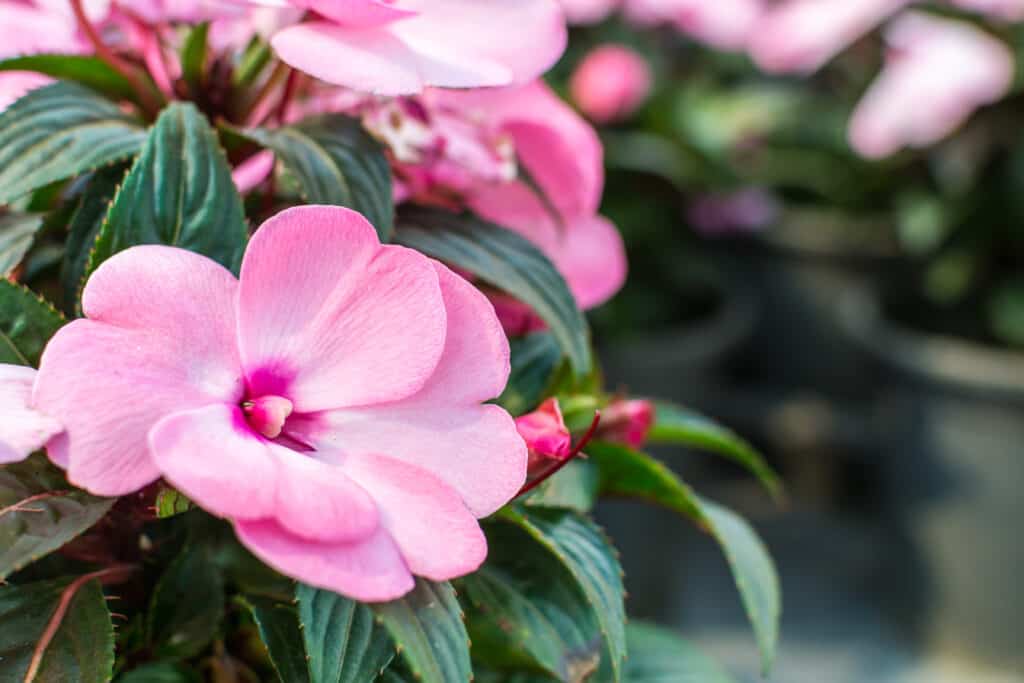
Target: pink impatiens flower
[(626, 421), (328, 402), (23, 429), (545, 434), (397, 47)]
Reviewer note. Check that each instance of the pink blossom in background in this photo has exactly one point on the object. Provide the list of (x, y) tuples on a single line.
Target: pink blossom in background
[(24, 429), (725, 24), (746, 210), (938, 71), (802, 35), (627, 422), (546, 436), (582, 12), (402, 46), (328, 402), (610, 83)]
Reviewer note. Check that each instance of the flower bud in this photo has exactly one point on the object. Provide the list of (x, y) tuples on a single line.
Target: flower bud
[(610, 83)]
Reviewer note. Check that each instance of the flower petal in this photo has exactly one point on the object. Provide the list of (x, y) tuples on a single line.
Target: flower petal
[(370, 570), (329, 318), (22, 429), (217, 461), (475, 449), (162, 341), (437, 536)]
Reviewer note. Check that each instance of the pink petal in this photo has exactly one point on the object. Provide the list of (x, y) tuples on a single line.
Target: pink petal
[(560, 150), (437, 536), (370, 570), (22, 429), (160, 340), (253, 171), (375, 61), (215, 459), (318, 502), (473, 448), (356, 13), (329, 318)]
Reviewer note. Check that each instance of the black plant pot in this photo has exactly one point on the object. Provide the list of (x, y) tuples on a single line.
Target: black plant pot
[(951, 417)]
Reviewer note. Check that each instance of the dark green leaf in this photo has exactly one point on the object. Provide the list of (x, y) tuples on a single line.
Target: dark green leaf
[(178, 192), (193, 56), (574, 487), (159, 673), (587, 554), (187, 604), (92, 209), (26, 324), (535, 358), (755, 575), (657, 655), (676, 425), (17, 232), (426, 624), (630, 473), (525, 609), (88, 70), (336, 162), (344, 644), (278, 624), (171, 502), (507, 261), (59, 131), (81, 650), (255, 58), (40, 512)]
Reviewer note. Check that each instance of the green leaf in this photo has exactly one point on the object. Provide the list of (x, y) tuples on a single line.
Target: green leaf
[(278, 625), (171, 502), (59, 131), (755, 575), (336, 162), (187, 604), (626, 472), (179, 192), (657, 655), (81, 650), (587, 554), (40, 512), (503, 259), (525, 609), (343, 641), (574, 487), (90, 71), (193, 56), (17, 232), (677, 425), (252, 62), (26, 324), (92, 209), (535, 359), (426, 624), (159, 673)]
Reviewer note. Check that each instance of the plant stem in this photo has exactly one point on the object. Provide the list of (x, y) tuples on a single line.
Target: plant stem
[(257, 111), (147, 99), (287, 95)]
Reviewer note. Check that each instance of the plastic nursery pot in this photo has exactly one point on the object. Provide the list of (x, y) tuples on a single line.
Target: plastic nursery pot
[(951, 416), (680, 361), (800, 270)]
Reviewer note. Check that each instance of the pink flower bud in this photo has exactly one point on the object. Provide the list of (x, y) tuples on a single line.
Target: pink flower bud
[(626, 422), (545, 434), (610, 83)]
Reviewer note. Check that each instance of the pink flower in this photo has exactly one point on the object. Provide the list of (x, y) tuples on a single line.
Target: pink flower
[(588, 11), (627, 422), (937, 73), (24, 429), (401, 46), (610, 83), (546, 436), (802, 35), (328, 402), (725, 24)]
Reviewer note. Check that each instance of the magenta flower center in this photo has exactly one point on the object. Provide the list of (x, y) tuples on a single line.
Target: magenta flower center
[(267, 414)]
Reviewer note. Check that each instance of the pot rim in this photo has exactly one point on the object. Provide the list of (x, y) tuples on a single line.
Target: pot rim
[(937, 358)]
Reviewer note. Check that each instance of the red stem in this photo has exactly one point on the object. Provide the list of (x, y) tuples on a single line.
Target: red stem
[(17, 507), (146, 97)]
